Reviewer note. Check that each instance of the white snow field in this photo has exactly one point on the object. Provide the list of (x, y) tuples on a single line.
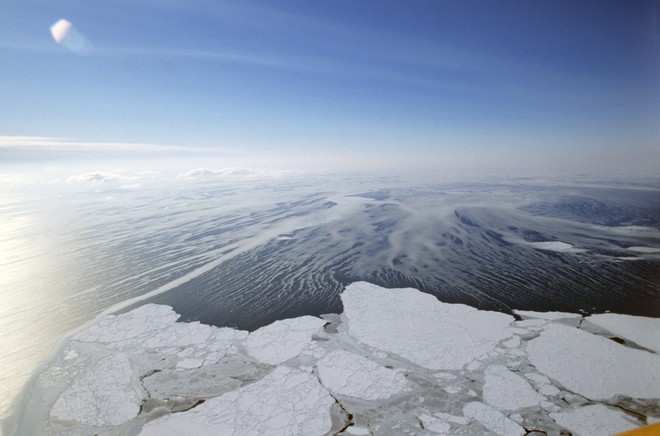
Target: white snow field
[(397, 361)]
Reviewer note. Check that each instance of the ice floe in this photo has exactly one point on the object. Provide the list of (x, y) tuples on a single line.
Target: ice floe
[(420, 328), (594, 420), (282, 340), (397, 361), (594, 366), (553, 246), (642, 330), (557, 246), (355, 376), (492, 420), (106, 395), (286, 401), (508, 391), (116, 328)]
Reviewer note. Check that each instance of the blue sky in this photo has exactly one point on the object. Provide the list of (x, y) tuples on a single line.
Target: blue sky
[(426, 82)]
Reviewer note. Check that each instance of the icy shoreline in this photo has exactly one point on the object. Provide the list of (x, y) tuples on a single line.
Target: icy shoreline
[(395, 361)]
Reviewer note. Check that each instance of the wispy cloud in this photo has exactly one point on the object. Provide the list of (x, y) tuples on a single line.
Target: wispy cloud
[(100, 178), (63, 145), (234, 172), (234, 57)]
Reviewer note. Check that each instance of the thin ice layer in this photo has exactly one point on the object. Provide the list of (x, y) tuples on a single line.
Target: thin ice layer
[(282, 340), (355, 376), (286, 401), (420, 328), (104, 396), (593, 366), (642, 330)]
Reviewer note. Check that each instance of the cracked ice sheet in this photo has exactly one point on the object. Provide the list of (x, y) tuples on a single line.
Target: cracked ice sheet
[(152, 326), (286, 401), (282, 340), (594, 366), (420, 328), (508, 391), (104, 396), (114, 328), (594, 420), (493, 420), (641, 330), (348, 374)]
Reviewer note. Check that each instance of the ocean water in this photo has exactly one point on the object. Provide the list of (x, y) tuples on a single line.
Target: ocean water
[(244, 252)]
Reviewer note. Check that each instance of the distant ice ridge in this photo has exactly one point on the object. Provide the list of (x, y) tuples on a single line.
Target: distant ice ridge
[(396, 361)]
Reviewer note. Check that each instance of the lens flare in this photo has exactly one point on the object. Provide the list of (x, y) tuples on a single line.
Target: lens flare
[(67, 36), (60, 29)]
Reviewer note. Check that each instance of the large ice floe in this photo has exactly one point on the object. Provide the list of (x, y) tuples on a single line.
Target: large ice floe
[(396, 361)]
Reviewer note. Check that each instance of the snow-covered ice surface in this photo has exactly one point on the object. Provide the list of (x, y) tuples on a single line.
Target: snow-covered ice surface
[(493, 420), (286, 401), (282, 340), (356, 376), (593, 366), (397, 361), (420, 328), (104, 396), (594, 420), (642, 330), (509, 391)]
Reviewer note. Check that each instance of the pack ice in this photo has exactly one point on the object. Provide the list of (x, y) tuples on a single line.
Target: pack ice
[(396, 361)]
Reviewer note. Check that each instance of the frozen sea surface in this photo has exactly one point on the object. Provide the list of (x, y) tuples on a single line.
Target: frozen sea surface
[(391, 363)]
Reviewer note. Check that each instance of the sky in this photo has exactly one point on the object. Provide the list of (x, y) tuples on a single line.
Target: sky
[(527, 86)]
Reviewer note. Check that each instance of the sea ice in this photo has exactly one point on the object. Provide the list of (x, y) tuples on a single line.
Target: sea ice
[(514, 342), (286, 401), (114, 328), (593, 366), (282, 340), (142, 369), (549, 316), (150, 326), (420, 328), (492, 419), (508, 391), (452, 389), (355, 430), (594, 420), (561, 247), (530, 323), (355, 376), (461, 420), (642, 330), (104, 396), (433, 423)]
